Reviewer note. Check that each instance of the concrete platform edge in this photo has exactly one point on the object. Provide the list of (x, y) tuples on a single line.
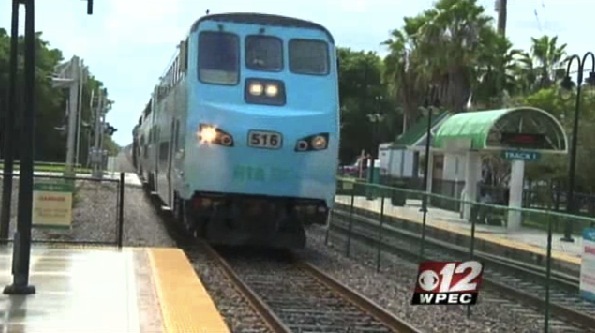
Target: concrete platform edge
[(185, 304)]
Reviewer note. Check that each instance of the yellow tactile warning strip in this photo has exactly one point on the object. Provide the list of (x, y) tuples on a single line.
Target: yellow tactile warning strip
[(186, 306), (488, 237)]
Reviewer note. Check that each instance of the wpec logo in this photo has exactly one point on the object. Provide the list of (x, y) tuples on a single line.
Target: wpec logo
[(447, 283)]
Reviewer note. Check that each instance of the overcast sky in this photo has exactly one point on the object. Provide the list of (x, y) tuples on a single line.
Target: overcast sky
[(128, 43)]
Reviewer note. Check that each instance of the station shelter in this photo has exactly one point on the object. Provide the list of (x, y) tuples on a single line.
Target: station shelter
[(520, 134)]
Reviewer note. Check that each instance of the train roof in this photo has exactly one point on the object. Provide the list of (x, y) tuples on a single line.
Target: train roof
[(262, 19)]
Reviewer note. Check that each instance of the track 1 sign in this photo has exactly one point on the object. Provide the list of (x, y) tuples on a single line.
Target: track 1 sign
[(521, 155)]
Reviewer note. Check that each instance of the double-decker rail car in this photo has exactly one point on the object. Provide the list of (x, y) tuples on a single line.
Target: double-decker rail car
[(246, 130), (135, 151), (146, 151)]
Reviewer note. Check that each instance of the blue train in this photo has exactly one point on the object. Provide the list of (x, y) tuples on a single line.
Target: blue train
[(240, 138)]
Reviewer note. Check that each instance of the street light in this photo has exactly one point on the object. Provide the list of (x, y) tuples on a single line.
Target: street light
[(433, 95), (567, 86)]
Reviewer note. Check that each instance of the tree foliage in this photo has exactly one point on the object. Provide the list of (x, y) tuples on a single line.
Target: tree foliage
[(50, 143)]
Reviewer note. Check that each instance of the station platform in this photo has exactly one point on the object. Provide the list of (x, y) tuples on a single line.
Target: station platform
[(527, 243), (89, 290)]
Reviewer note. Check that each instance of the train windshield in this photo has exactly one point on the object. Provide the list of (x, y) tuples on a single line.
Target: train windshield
[(264, 53), (219, 59), (308, 56)]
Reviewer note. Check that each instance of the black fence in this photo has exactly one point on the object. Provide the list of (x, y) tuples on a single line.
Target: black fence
[(97, 210)]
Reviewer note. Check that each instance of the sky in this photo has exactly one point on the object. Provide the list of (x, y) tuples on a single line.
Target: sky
[(128, 44)]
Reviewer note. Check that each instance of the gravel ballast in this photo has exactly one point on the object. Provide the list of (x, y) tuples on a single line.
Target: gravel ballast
[(96, 211), (392, 288), (95, 217), (238, 314)]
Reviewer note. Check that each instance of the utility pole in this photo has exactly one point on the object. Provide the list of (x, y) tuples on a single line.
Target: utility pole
[(83, 73), (501, 8), (69, 75), (89, 144), (75, 75), (96, 153)]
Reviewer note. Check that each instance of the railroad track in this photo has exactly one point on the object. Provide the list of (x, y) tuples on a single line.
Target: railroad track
[(294, 296), (520, 280)]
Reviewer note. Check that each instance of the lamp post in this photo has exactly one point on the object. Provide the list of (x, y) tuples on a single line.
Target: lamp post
[(433, 96), (21, 254), (567, 86), (9, 123)]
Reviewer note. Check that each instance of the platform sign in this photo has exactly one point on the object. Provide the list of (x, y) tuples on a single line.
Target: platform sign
[(587, 278), (52, 204), (521, 155)]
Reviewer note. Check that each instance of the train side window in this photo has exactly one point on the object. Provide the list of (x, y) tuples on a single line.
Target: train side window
[(177, 136), (309, 56), (219, 58), (163, 151)]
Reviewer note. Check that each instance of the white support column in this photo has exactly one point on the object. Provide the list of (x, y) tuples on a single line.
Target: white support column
[(516, 194), (402, 163), (471, 178), (430, 172)]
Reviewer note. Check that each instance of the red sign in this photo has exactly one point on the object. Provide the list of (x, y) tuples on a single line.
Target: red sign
[(450, 283)]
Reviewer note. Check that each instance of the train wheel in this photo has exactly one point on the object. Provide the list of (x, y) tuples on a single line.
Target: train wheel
[(177, 210), (187, 220)]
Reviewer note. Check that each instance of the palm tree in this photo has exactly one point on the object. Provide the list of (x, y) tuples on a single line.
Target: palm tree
[(400, 76), (543, 65)]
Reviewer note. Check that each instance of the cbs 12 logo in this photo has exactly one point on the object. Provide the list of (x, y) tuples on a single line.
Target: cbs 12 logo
[(447, 283)]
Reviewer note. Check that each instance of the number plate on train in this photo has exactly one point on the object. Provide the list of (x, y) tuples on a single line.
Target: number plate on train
[(264, 139)]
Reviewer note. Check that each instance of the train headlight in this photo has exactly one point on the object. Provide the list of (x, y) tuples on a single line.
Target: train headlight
[(318, 142), (265, 91), (271, 90), (312, 142), (207, 134), (255, 89)]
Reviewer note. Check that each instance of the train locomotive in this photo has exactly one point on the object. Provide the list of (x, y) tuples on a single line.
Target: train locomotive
[(240, 137)]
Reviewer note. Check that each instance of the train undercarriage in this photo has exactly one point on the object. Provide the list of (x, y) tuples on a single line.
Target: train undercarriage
[(233, 219), (238, 220)]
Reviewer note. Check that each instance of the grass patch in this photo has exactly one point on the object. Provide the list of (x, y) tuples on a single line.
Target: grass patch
[(53, 168)]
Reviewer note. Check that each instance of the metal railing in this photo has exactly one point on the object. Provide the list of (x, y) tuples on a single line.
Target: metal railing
[(392, 208), (97, 213)]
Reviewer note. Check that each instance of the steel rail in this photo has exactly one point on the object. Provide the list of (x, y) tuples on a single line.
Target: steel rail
[(269, 317), (359, 300), (526, 297)]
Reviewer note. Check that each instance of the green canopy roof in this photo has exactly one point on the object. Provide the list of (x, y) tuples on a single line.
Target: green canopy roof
[(483, 129), (418, 130)]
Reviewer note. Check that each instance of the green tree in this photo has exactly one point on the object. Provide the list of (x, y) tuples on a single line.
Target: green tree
[(51, 102), (361, 93), (556, 166)]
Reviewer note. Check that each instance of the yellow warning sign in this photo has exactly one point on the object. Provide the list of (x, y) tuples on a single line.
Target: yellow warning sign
[(52, 205)]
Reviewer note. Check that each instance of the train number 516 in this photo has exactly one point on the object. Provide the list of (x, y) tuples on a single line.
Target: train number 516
[(264, 139)]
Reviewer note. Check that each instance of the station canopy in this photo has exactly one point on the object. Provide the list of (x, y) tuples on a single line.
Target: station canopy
[(516, 128)]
